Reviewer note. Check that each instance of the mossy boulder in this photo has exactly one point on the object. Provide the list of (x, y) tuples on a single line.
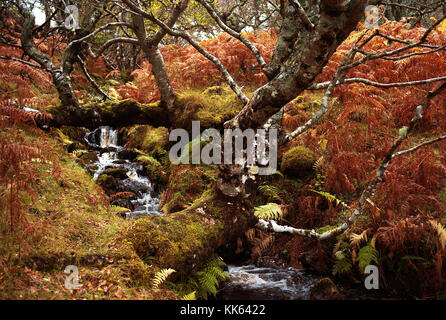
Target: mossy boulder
[(149, 141), (298, 162), (215, 90), (108, 183), (74, 133), (154, 169), (325, 289), (117, 173), (174, 241), (186, 184), (89, 157)]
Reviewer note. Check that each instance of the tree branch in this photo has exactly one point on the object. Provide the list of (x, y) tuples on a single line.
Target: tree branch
[(206, 54), (302, 15), (91, 80), (372, 185), (234, 34)]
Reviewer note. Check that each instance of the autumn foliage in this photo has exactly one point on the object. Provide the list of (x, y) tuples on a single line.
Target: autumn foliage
[(187, 68), (362, 124)]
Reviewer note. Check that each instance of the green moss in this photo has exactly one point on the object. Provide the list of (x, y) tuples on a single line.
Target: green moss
[(89, 157), (298, 162), (212, 108), (173, 240), (74, 133), (152, 141), (108, 183), (71, 222), (154, 169), (118, 173), (186, 184)]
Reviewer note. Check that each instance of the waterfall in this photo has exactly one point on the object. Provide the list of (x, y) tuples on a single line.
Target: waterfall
[(106, 139)]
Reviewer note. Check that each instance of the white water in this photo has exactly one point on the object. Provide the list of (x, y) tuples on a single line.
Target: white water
[(145, 204), (249, 282)]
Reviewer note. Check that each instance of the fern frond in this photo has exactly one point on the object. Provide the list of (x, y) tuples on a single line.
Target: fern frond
[(78, 153), (331, 198), (270, 211), (262, 246), (161, 276), (317, 167), (342, 266), (250, 234), (205, 282), (357, 239), (365, 257), (278, 173), (441, 232), (190, 296), (271, 192)]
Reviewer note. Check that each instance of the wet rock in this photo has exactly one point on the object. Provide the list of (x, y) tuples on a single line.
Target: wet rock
[(133, 186), (117, 173), (108, 183), (119, 161), (108, 149), (264, 262), (89, 157), (124, 203), (75, 146), (325, 289), (92, 169), (140, 209), (127, 154)]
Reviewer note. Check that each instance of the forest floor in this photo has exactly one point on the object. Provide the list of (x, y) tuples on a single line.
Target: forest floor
[(71, 223)]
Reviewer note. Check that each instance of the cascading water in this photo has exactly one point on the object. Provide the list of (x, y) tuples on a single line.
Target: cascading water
[(249, 282), (105, 139)]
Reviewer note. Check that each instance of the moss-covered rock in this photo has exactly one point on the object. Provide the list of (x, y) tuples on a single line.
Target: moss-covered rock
[(186, 184), (108, 183), (298, 162), (154, 169), (185, 240), (74, 133), (145, 137), (173, 241), (89, 157), (117, 173), (148, 141), (325, 289)]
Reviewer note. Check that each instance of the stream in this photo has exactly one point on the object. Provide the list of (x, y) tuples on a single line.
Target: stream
[(246, 282), (131, 179), (249, 282)]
